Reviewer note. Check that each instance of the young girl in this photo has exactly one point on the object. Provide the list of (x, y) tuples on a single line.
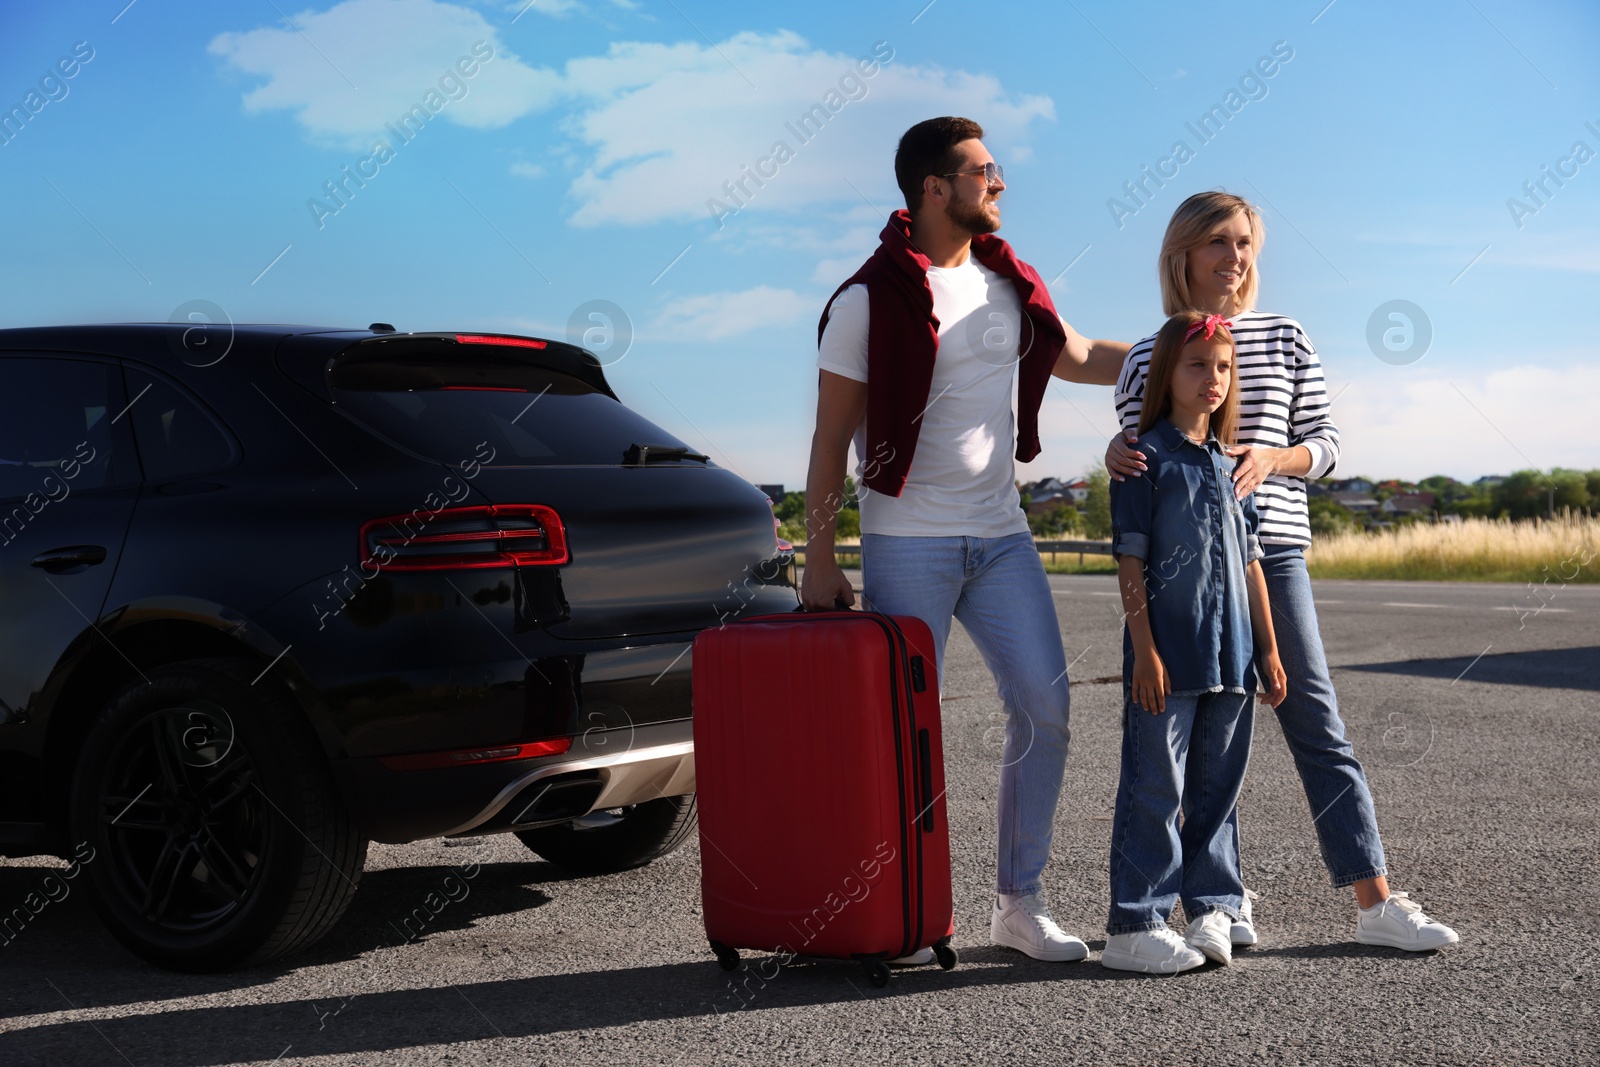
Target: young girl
[(1196, 606)]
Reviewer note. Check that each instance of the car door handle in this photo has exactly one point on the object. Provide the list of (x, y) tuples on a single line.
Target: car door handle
[(69, 560)]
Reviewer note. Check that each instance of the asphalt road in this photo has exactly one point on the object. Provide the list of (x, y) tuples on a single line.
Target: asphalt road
[(1476, 718)]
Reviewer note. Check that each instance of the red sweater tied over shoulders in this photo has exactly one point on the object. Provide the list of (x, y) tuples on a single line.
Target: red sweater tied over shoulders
[(903, 342)]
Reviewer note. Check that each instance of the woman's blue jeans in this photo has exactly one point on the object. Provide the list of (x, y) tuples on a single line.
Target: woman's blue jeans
[(1335, 784), (1192, 757), (998, 589)]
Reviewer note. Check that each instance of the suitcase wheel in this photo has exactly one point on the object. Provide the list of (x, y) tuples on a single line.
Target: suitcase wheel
[(727, 958), (946, 955), (877, 972)]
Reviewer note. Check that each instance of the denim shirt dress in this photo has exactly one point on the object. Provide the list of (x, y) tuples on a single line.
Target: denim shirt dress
[(1196, 539)]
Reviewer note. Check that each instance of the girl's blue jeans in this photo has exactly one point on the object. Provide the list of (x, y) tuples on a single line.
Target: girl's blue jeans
[(998, 589), (1191, 757)]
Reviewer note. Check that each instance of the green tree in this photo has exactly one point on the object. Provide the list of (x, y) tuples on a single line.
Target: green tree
[(1571, 488), (1097, 507), (1056, 522), (1531, 494), (849, 524), (792, 508), (1520, 496), (1329, 517)]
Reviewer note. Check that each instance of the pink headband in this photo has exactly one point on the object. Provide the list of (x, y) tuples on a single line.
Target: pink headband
[(1210, 324)]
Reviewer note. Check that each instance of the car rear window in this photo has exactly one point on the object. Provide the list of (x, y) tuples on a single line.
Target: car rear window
[(529, 415)]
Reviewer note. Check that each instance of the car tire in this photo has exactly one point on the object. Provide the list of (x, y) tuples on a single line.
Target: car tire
[(603, 842), (218, 838)]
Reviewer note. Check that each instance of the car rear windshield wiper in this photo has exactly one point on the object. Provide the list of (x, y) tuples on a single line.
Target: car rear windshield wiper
[(643, 455)]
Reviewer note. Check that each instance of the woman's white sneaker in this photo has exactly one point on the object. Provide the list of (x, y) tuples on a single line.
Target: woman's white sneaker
[(1150, 951), (1209, 935), (1024, 923), (1400, 923)]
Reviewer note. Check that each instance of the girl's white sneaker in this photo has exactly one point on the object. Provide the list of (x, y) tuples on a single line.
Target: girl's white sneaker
[(1151, 952), (1243, 931), (1209, 935)]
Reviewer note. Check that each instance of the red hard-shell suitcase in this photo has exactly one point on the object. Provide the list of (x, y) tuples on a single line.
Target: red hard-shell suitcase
[(820, 774)]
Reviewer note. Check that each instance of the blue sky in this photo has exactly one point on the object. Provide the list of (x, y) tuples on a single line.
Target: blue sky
[(186, 160)]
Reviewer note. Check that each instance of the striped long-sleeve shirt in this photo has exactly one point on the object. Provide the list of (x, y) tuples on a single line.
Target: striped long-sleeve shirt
[(1283, 401)]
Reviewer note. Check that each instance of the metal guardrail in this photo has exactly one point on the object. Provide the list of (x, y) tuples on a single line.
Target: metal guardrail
[(1082, 548)]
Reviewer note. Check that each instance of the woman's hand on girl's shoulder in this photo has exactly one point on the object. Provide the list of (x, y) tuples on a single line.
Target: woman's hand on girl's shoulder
[(1273, 680), (1252, 465), (1122, 459)]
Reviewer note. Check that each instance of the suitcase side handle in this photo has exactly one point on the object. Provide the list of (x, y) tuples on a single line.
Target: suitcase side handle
[(925, 766)]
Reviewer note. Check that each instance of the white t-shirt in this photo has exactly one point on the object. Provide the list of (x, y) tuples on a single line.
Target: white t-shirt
[(962, 479)]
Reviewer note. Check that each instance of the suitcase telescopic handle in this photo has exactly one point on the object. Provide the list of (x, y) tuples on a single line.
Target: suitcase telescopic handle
[(838, 605)]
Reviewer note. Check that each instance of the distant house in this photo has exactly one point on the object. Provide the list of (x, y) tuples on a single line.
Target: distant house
[(1350, 485), (1038, 505), (1057, 491), (1409, 504), (1488, 481), (1358, 501)]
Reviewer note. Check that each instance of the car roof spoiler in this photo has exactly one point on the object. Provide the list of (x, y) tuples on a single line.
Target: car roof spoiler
[(310, 359)]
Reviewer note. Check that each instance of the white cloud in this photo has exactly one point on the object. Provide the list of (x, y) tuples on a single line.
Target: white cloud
[(1408, 423), (560, 8), (714, 316), (1466, 425), (1564, 250), (555, 8), (348, 71), (657, 128), (670, 124)]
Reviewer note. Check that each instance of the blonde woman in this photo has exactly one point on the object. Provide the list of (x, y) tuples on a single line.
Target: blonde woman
[(1285, 435)]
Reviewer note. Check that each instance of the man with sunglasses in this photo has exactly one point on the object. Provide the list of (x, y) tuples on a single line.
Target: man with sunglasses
[(919, 352)]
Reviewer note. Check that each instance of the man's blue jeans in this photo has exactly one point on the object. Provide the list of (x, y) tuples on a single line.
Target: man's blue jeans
[(1335, 784), (998, 589), (1192, 756)]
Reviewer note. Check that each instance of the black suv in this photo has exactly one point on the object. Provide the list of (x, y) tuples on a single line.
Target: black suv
[(269, 592)]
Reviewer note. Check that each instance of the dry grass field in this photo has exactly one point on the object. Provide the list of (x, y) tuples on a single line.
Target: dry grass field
[(1566, 549), (1562, 550)]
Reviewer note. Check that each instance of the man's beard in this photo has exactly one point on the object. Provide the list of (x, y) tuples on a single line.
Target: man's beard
[(971, 216)]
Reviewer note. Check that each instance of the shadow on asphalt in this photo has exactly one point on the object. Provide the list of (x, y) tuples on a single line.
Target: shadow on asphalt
[(391, 908), (1555, 668), (482, 1010)]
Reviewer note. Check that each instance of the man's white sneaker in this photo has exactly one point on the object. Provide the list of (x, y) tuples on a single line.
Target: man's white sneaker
[(1150, 951), (1242, 933), (1209, 935), (1024, 923), (920, 958), (1400, 923)]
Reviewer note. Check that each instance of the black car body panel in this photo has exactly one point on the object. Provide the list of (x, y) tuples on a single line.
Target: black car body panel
[(247, 542)]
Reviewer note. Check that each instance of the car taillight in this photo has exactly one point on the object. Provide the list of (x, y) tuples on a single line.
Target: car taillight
[(428, 761), (500, 535), (490, 339)]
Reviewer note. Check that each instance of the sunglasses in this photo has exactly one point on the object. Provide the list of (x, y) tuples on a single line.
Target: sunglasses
[(992, 173)]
